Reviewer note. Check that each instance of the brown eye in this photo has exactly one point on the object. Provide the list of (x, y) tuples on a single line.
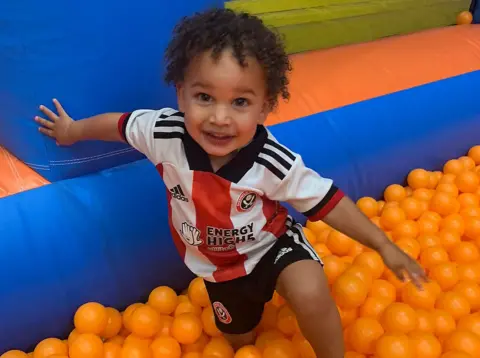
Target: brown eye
[(204, 97), (241, 102)]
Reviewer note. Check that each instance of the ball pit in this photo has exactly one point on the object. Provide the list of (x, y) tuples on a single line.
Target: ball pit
[(364, 115), (435, 219)]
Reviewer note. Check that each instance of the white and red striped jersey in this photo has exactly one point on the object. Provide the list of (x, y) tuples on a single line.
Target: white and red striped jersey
[(223, 222)]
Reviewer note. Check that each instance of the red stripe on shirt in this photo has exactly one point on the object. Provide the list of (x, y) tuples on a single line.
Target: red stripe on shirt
[(328, 206), (120, 126), (214, 211), (276, 215), (177, 240)]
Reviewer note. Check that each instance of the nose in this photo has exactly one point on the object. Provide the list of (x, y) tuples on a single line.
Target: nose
[(220, 115)]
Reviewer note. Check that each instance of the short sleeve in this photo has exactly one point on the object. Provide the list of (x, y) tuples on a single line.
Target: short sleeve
[(136, 129), (142, 128), (306, 191)]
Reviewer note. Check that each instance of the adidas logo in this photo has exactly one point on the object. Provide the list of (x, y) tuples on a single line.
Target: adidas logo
[(283, 251), (177, 193)]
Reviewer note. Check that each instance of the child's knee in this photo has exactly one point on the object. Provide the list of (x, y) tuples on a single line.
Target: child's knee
[(306, 292), (313, 298)]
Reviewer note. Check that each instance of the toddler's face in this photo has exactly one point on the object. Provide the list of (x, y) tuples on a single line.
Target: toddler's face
[(223, 102)]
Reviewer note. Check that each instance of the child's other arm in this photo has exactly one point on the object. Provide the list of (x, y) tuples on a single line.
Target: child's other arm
[(66, 131), (347, 218), (319, 199)]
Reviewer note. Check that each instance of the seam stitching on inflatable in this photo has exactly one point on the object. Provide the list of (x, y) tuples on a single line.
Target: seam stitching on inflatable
[(79, 160), (93, 157), (38, 166), (89, 159)]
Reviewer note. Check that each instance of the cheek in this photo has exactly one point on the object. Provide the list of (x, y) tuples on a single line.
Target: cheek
[(195, 114), (193, 125), (194, 106), (247, 126)]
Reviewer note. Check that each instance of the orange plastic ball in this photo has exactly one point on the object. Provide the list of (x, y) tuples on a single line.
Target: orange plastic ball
[(464, 18)]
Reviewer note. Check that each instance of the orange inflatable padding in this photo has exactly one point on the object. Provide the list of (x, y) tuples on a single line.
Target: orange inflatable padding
[(15, 176), (327, 79)]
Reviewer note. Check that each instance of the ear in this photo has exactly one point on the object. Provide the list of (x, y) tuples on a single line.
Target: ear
[(264, 113), (180, 96)]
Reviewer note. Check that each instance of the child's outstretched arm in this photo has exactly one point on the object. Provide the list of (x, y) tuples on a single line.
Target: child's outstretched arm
[(66, 131), (348, 219)]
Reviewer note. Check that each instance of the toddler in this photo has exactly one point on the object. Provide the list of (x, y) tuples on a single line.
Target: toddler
[(226, 175)]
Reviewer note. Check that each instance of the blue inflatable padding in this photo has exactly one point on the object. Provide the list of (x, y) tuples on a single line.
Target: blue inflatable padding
[(476, 12), (95, 56), (102, 237), (369, 145)]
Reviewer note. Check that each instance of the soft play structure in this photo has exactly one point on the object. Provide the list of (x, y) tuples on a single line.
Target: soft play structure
[(89, 222), (344, 22)]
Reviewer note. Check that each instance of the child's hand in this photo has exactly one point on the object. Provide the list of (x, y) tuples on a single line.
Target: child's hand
[(401, 264), (58, 127)]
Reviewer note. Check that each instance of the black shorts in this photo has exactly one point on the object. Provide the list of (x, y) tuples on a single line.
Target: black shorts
[(238, 304)]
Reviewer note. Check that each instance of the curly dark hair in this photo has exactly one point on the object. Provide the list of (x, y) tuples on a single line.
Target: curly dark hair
[(244, 34)]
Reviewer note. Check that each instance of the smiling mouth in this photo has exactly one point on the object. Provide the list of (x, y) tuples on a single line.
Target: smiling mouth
[(218, 136)]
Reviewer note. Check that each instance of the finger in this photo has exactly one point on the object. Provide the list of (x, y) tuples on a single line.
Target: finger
[(48, 113), (417, 275), (46, 131), (58, 106), (400, 274), (416, 280), (421, 273), (44, 122), (414, 267)]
